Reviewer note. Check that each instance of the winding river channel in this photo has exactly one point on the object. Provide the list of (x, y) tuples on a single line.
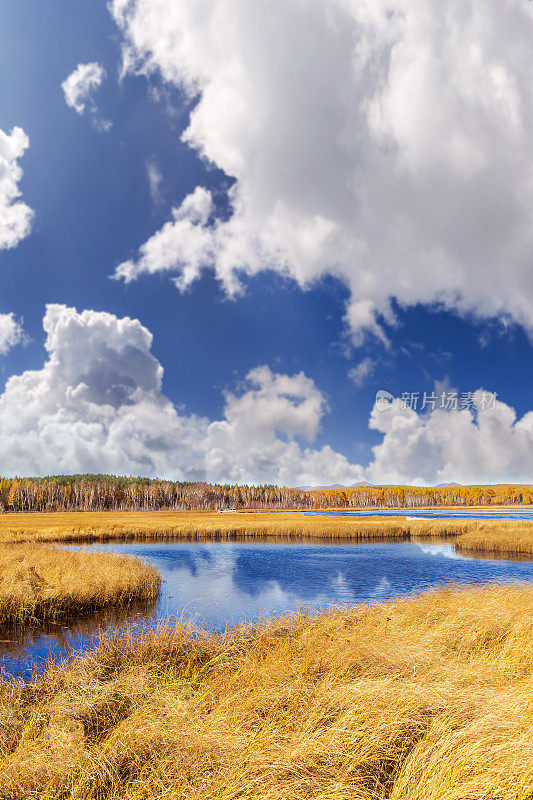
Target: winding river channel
[(219, 584)]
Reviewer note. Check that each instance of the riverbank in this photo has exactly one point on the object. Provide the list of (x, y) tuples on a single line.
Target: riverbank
[(43, 584), (497, 537), (40, 584), (423, 697)]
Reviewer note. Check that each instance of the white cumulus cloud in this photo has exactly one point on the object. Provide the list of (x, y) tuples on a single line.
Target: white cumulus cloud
[(79, 89), (15, 216), (488, 447), (182, 246), (387, 143), (97, 405), (261, 435)]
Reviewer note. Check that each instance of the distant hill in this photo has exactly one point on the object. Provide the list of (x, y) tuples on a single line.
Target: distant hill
[(332, 487), (319, 488)]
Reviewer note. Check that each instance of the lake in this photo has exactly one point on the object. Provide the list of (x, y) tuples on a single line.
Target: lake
[(445, 513), (220, 584)]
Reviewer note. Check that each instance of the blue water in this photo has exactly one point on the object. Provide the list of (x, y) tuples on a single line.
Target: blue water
[(219, 584), (467, 513)]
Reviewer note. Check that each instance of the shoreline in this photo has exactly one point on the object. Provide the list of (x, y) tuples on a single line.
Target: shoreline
[(40, 584), (402, 509), (513, 537), (369, 702)]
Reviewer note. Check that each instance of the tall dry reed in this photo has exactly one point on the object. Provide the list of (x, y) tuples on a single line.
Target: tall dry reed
[(492, 536), (39, 584), (419, 699)]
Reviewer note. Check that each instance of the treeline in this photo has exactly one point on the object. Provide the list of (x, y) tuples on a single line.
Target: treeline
[(111, 493), (422, 496)]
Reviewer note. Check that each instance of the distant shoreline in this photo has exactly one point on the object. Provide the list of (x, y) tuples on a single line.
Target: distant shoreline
[(402, 510), (513, 537)]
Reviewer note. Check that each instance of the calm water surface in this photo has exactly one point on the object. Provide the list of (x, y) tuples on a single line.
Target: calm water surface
[(219, 584), (445, 513)]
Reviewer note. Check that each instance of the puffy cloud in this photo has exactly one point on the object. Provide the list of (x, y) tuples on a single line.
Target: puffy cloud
[(11, 333), (80, 85), (79, 88), (259, 434), (274, 402), (184, 245), (488, 446), (97, 406), (387, 143), (15, 216)]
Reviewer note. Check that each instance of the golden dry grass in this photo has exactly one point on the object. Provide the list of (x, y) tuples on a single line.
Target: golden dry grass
[(492, 536), (39, 584), (419, 699)]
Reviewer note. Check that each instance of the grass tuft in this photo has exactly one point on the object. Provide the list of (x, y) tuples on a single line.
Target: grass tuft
[(424, 698), (43, 584)]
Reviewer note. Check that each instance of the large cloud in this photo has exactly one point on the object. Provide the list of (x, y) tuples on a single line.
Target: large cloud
[(488, 446), (259, 438), (97, 406), (387, 143), (15, 216)]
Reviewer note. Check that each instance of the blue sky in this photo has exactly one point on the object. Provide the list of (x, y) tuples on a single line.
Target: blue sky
[(93, 209)]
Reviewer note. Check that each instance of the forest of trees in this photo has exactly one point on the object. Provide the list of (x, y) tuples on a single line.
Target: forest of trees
[(108, 492)]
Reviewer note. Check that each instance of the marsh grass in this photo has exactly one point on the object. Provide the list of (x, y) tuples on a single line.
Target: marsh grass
[(44, 584), (424, 698), (491, 536)]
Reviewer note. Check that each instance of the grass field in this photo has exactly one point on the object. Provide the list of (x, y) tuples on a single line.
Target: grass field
[(424, 698), (419, 699), (493, 536), (43, 584)]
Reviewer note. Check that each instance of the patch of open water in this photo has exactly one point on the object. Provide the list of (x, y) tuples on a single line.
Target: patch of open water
[(221, 584)]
